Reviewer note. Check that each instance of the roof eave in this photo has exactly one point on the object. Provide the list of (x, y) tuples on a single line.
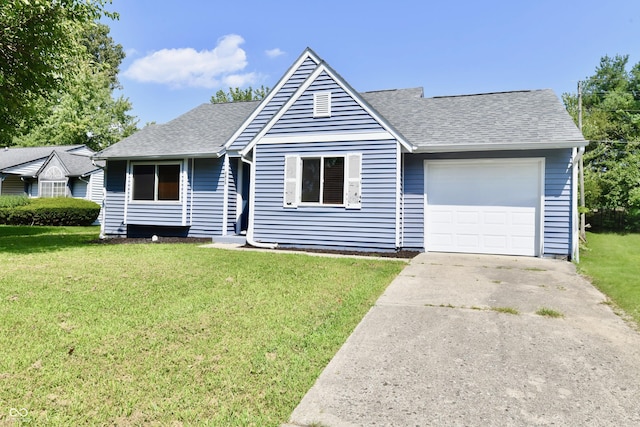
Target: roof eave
[(447, 148), (163, 156)]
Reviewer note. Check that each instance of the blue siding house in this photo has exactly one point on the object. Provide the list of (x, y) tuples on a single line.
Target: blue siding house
[(317, 164)]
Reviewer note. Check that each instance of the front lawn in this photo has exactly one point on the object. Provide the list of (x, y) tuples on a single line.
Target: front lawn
[(168, 334), (612, 261)]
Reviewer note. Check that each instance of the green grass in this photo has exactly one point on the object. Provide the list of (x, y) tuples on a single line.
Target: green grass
[(612, 261), (168, 334), (507, 310), (549, 312)]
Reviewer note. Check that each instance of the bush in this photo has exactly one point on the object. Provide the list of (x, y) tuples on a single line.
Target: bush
[(13, 201), (54, 211)]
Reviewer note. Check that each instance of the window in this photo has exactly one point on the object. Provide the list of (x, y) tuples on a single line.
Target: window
[(53, 188), (324, 180), (156, 182)]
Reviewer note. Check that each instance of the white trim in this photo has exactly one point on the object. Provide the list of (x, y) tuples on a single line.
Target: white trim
[(326, 137), (450, 148), (225, 194), (302, 88), (239, 200), (575, 214), (182, 191), (283, 80), (127, 193), (399, 191), (184, 180), (193, 169), (540, 211)]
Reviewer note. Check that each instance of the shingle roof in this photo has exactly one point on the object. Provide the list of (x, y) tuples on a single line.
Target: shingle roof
[(465, 122), (521, 117), (13, 156), (76, 164), (201, 131)]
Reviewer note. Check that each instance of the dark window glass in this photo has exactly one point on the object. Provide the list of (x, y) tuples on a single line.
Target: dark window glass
[(333, 191), (168, 182), (144, 177), (310, 181)]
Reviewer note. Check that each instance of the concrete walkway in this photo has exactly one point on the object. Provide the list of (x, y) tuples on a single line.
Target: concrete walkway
[(433, 351)]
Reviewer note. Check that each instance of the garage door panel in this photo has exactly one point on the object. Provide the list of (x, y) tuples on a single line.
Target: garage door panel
[(491, 207)]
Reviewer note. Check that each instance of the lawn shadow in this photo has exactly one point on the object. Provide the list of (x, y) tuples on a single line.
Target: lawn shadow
[(37, 239)]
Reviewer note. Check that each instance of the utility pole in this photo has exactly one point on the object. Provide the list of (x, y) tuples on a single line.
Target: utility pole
[(583, 233)]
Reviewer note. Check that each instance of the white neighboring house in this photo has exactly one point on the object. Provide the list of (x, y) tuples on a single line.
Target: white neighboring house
[(55, 171)]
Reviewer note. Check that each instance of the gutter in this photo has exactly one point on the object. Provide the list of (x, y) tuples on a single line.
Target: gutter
[(249, 236), (449, 148)]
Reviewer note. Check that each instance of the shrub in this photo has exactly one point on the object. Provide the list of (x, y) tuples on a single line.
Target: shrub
[(54, 211), (13, 201)]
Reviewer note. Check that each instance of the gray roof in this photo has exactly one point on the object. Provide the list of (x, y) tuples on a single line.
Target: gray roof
[(519, 119), (199, 132), (482, 120), (76, 164), (14, 156)]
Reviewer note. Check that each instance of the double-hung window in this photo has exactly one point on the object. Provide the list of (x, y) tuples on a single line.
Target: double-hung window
[(156, 182), (323, 180), (53, 188)]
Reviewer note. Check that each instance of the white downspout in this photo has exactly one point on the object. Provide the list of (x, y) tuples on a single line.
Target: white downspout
[(103, 202), (577, 163), (252, 198)]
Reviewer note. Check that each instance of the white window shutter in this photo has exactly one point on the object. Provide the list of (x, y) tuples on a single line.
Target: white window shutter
[(291, 166), (353, 189)]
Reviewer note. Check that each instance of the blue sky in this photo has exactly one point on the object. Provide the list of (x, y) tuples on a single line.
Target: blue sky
[(179, 53)]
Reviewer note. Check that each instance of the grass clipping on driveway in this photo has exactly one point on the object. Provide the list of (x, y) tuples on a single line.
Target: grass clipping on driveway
[(168, 334)]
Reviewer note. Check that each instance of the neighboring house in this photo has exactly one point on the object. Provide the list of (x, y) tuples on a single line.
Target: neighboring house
[(318, 165), (61, 171)]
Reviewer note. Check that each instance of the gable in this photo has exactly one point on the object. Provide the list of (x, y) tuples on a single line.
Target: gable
[(274, 101), (53, 169), (346, 114)]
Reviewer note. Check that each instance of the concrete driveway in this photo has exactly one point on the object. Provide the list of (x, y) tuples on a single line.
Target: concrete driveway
[(432, 351)]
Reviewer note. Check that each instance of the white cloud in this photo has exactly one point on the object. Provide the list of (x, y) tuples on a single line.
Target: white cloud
[(188, 67), (274, 53), (240, 80)]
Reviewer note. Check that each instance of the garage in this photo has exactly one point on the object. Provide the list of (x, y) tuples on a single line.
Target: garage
[(488, 206)]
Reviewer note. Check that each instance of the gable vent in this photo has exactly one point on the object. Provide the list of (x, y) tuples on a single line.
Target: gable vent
[(322, 104)]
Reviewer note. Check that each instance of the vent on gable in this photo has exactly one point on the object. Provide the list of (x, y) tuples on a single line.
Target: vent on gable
[(322, 104)]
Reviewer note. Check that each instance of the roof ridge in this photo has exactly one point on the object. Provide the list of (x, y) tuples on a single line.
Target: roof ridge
[(488, 93)]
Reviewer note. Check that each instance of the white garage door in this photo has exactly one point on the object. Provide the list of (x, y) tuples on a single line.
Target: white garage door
[(484, 206)]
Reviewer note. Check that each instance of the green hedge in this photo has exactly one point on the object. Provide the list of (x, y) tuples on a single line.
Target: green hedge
[(51, 211)]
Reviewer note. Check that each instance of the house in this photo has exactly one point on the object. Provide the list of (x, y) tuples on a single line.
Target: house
[(55, 171), (317, 164)]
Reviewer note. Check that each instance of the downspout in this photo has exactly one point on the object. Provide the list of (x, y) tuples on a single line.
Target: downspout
[(252, 198), (103, 204), (577, 161)]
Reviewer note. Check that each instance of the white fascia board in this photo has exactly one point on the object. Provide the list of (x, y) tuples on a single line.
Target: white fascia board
[(164, 156), (327, 137), (274, 119), (303, 87), (447, 148), (272, 93)]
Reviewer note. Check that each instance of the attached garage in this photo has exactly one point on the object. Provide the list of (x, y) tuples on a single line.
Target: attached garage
[(485, 206)]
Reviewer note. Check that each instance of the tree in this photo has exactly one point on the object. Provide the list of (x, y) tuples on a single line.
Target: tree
[(240, 95), (85, 113), (611, 122), (38, 51), (84, 110)]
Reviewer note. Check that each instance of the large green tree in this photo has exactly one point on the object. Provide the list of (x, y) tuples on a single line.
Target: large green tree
[(84, 110), (611, 122), (240, 95), (39, 51)]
